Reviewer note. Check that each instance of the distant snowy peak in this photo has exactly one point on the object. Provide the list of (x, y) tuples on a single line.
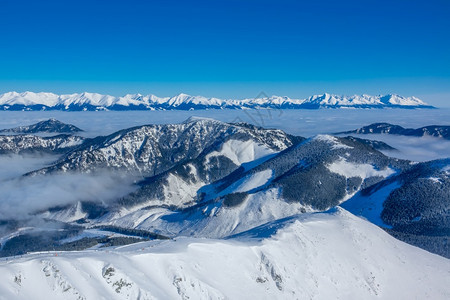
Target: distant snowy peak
[(363, 101), (93, 101)]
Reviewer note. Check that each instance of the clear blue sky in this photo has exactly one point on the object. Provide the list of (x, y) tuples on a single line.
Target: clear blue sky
[(227, 48)]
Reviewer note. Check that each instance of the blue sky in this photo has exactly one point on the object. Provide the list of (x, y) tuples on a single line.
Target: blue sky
[(227, 48)]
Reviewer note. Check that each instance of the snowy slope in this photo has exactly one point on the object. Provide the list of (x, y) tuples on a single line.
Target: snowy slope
[(332, 255), (414, 204), (93, 101)]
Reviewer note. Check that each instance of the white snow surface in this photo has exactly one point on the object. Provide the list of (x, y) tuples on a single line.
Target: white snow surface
[(370, 207), (332, 255), (71, 214), (331, 140), (213, 221), (349, 169), (249, 182), (257, 209), (240, 152), (180, 191)]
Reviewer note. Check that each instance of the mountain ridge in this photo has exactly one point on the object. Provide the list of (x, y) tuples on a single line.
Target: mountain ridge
[(440, 131), (94, 101), (47, 126), (327, 255), (151, 149)]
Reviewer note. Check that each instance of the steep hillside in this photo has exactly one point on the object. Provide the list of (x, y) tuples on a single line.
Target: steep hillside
[(414, 205)]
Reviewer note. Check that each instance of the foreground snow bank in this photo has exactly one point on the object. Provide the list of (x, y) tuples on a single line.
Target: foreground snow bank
[(314, 256)]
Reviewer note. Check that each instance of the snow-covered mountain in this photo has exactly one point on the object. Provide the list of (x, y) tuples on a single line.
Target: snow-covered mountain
[(332, 255), (440, 131), (47, 126), (26, 143), (237, 182), (362, 101), (414, 205), (313, 175), (222, 192), (152, 149), (208, 178), (93, 101)]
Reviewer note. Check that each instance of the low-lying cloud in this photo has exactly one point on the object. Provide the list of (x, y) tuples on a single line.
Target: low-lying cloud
[(413, 148), (23, 196), (14, 165), (294, 121)]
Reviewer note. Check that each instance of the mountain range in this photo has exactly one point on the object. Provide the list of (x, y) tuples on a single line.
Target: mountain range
[(211, 195), (207, 178), (93, 101)]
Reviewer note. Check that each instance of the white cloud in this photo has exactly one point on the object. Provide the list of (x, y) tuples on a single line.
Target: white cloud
[(25, 195)]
